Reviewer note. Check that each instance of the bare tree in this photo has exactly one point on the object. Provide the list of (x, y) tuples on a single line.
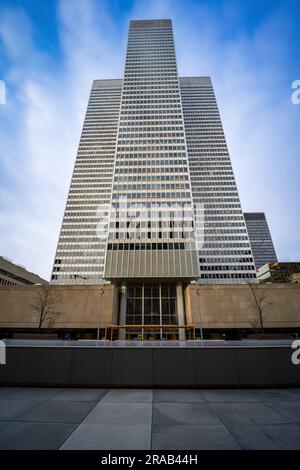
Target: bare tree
[(259, 303), (45, 305)]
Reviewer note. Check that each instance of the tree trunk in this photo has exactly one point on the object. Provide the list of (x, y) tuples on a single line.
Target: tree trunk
[(40, 323), (261, 323)]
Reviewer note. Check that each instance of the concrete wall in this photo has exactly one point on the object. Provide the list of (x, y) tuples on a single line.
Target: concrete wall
[(80, 306), (221, 306), (232, 306)]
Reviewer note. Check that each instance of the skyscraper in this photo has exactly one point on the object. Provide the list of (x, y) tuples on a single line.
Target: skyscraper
[(151, 158), (260, 238), (151, 165)]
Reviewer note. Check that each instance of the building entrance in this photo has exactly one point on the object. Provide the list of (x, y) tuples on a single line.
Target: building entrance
[(152, 304)]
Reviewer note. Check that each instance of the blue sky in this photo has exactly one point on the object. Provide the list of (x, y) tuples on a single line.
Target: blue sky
[(51, 50)]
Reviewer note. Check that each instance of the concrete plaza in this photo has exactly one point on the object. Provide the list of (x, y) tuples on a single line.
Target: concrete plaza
[(56, 418)]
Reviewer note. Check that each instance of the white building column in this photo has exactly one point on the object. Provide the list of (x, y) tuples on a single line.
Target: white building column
[(180, 308), (122, 314)]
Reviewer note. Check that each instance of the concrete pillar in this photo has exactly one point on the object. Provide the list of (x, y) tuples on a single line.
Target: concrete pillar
[(180, 308), (122, 314)]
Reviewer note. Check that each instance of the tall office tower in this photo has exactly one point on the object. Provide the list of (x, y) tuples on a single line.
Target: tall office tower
[(151, 248), (152, 148), (151, 171), (226, 254), (260, 238)]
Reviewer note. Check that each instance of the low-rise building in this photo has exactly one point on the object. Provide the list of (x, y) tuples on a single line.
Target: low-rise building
[(278, 271), (295, 278), (12, 274)]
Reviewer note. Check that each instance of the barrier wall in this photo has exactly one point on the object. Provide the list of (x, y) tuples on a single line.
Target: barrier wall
[(150, 367), (78, 306), (233, 306), (219, 306)]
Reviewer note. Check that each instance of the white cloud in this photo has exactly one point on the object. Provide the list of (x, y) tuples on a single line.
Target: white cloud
[(16, 34), (44, 115), (46, 102)]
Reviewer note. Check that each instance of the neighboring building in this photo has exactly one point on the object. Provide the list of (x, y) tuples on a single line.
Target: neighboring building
[(279, 272), (260, 238), (295, 278), (152, 143), (12, 274)]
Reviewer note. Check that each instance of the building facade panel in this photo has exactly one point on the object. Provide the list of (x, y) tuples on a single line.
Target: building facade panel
[(260, 238), (81, 247), (226, 255)]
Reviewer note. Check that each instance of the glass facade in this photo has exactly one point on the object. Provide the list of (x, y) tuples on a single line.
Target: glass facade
[(260, 238), (226, 255), (151, 304), (81, 247), (151, 139)]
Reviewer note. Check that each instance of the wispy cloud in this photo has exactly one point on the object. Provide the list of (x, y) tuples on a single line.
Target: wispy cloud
[(46, 103), (252, 69)]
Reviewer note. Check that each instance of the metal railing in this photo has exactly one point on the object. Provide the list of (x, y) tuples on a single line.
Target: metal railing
[(150, 332)]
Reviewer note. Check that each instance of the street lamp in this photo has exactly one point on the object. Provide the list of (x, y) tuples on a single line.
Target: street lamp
[(201, 327), (101, 292)]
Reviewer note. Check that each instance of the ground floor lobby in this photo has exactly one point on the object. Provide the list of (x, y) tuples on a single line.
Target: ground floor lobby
[(91, 418)]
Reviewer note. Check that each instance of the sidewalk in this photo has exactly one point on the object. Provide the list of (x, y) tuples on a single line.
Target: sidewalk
[(48, 418)]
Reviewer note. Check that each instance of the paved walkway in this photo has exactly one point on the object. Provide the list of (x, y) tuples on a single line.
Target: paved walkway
[(48, 418)]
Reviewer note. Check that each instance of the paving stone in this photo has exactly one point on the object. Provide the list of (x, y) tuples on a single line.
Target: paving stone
[(89, 436), (6, 391), (200, 437), (59, 412), (11, 409), (290, 410), (129, 396), (183, 413), (177, 396), (278, 394), (129, 419), (230, 395), (35, 393), (33, 436), (267, 437), (81, 394), (247, 413), (121, 413)]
